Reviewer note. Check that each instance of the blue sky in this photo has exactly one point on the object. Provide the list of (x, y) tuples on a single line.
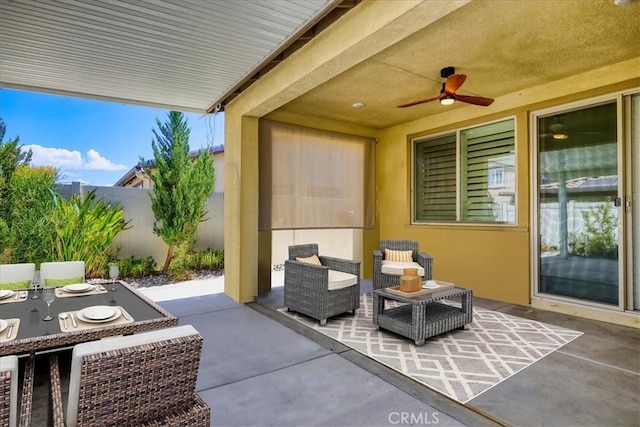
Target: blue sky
[(91, 141)]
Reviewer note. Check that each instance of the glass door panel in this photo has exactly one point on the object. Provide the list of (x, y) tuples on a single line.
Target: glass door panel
[(635, 198), (577, 212)]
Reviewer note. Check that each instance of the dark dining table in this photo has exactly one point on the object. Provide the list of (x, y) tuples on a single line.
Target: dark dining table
[(34, 334)]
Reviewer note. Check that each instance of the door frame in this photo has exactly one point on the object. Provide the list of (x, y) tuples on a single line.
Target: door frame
[(623, 145), (629, 203)]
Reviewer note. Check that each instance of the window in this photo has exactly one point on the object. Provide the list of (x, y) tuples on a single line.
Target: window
[(467, 175), (496, 177)]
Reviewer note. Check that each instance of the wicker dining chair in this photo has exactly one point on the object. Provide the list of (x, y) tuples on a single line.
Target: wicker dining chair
[(387, 274), (321, 290), (10, 393), (16, 276), (60, 273), (142, 379)]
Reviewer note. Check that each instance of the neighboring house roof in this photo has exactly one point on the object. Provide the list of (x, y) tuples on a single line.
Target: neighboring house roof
[(133, 173), (584, 185)]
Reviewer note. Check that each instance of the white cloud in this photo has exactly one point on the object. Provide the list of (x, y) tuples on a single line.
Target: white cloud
[(96, 162), (67, 159)]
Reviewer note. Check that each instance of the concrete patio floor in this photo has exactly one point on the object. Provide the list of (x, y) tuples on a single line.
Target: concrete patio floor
[(260, 368)]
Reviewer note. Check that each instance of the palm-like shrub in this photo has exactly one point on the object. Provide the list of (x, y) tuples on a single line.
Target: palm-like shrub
[(85, 228)]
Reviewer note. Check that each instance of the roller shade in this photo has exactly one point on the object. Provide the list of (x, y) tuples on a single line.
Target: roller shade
[(312, 178)]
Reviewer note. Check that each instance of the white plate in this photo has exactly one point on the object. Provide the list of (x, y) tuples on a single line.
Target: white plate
[(99, 314), (3, 325), (77, 287), (5, 294), (430, 284)]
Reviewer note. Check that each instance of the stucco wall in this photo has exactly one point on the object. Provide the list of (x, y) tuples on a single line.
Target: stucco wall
[(492, 260)]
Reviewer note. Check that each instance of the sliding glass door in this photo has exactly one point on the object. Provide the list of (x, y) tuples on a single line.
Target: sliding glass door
[(634, 203), (579, 203)]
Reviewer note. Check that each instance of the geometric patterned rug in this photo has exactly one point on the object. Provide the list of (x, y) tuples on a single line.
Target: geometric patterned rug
[(461, 364)]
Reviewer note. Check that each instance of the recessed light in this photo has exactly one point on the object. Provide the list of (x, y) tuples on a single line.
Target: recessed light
[(357, 104)]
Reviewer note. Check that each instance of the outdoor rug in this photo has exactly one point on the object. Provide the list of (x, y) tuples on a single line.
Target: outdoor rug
[(460, 364)]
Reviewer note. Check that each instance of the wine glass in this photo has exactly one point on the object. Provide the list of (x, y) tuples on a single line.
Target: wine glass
[(49, 296), (114, 271), (36, 284)]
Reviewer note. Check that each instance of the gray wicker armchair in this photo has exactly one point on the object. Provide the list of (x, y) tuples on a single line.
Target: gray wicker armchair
[(320, 291), (382, 280), (142, 379)]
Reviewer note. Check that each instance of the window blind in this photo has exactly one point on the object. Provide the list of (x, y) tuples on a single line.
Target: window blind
[(436, 179), (483, 148)]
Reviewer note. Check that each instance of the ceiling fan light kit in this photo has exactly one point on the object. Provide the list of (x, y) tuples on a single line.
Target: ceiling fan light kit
[(448, 100), (448, 92)]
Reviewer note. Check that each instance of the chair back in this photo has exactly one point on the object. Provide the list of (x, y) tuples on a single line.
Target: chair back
[(9, 391), (133, 379), (16, 276), (303, 251), (61, 273), (400, 245)]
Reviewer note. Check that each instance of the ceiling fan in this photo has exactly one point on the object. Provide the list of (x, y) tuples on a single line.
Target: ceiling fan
[(448, 93), (559, 131)]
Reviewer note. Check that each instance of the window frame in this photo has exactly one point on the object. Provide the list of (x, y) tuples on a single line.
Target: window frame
[(457, 132)]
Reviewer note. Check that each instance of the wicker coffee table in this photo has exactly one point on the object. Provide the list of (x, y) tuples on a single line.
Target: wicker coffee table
[(422, 316)]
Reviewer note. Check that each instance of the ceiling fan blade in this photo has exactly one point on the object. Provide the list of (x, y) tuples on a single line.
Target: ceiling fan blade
[(454, 82), (422, 101), (475, 100)]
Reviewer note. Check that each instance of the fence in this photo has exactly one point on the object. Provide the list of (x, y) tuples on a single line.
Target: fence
[(550, 219), (139, 240)]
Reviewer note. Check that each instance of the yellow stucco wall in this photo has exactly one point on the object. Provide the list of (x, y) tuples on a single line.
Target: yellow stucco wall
[(494, 261), (470, 255)]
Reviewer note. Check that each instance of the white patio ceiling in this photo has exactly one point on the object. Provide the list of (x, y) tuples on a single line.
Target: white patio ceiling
[(179, 54)]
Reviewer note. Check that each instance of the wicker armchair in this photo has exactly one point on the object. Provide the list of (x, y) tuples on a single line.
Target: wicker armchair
[(320, 291), (420, 259), (142, 379)]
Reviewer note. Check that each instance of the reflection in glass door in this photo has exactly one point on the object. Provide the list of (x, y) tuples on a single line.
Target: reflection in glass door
[(578, 198)]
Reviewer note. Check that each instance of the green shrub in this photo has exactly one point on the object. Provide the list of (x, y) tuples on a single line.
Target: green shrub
[(85, 228), (600, 236), (186, 262), (135, 267), (30, 234)]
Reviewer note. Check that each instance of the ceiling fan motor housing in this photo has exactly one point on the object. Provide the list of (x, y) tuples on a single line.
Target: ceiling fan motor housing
[(447, 71)]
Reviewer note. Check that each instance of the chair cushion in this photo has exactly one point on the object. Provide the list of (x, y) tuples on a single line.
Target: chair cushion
[(16, 285), (15, 276), (62, 282), (341, 280), (110, 344), (313, 259), (398, 256), (397, 268), (10, 363)]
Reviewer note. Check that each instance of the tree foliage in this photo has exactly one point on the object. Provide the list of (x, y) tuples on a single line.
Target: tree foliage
[(600, 238), (11, 156), (182, 183), (30, 236)]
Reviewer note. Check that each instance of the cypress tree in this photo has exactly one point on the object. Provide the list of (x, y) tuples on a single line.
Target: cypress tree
[(181, 184)]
